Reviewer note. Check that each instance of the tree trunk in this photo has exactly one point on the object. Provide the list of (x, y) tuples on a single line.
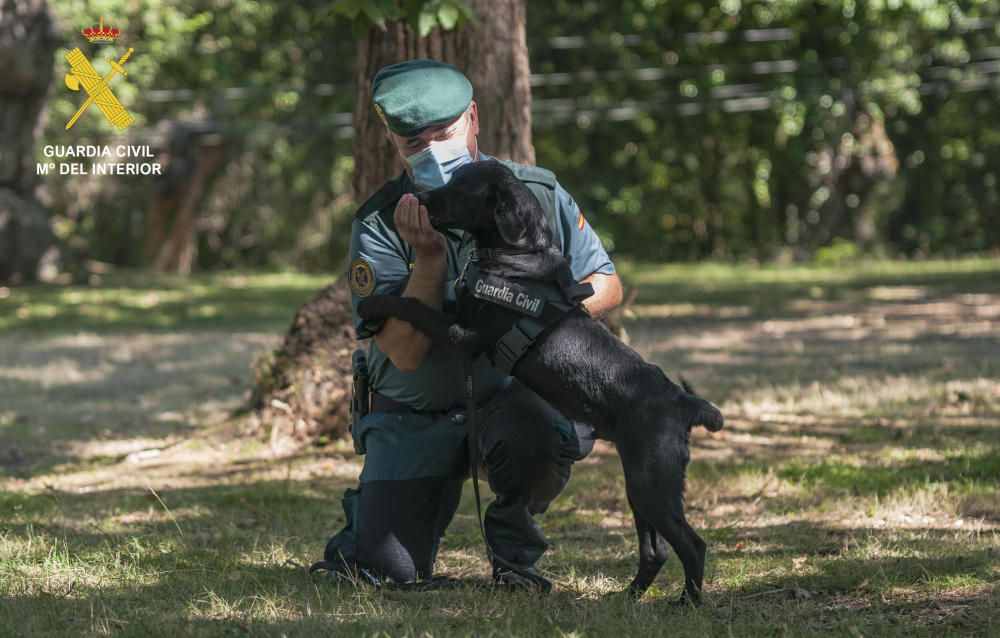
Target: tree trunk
[(195, 153), (27, 43), (303, 389)]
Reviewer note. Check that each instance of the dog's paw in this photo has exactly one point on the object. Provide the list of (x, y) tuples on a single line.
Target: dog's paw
[(687, 599)]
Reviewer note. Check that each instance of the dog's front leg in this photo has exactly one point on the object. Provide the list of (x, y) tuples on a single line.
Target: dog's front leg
[(440, 327), (467, 340)]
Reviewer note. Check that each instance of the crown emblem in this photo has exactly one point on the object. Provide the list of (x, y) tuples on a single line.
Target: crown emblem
[(100, 34)]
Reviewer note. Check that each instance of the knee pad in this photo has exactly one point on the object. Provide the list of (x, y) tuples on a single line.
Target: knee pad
[(389, 559)]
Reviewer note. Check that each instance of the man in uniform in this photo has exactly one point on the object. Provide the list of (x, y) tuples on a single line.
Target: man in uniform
[(414, 434)]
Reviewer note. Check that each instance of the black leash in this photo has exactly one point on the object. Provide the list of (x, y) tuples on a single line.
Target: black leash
[(470, 409)]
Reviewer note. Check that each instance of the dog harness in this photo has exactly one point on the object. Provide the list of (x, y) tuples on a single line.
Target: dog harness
[(542, 303)]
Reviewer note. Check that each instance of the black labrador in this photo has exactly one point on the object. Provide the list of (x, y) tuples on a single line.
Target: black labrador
[(576, 364)]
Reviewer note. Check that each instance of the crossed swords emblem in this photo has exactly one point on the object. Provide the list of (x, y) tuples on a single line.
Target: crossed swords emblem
[(97, 88)]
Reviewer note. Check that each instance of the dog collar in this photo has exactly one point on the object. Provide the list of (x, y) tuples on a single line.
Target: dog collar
[(477, 254)]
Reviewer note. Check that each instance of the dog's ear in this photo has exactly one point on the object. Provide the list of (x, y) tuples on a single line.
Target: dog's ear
[(492, 198), (512, 222), (519, 216)]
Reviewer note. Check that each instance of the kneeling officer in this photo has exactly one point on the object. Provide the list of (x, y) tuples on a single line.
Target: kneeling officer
[(413, 434)]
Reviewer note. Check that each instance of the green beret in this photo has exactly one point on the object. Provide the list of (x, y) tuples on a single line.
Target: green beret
[(412, 95)]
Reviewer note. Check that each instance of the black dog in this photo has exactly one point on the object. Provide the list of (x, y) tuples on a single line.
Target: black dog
[(576, 363)]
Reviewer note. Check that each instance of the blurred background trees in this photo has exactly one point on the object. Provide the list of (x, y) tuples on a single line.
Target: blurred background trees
[(26, 42), (686, 130)]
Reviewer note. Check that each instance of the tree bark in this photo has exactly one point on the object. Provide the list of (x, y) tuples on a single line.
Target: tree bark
[(27, 42), (194, 154), (303, 389)]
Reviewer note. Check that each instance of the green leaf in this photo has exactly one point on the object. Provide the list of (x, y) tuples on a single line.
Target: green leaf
[(468, 13), (412, 9), (372, 12), (448, 16), (347, 8), (425, 23), (389, 9)]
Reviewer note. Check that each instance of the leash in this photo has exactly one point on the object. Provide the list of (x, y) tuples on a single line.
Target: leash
[(470, 409)]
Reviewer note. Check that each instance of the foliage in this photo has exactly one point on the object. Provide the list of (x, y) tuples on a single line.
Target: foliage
[(840, 251), (270, 76), (732, 130), (422, 15), (748, 127)]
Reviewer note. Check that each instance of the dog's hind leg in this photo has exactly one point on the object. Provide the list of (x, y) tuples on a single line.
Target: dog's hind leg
[(690, 549), (652, 555), (656, 489)]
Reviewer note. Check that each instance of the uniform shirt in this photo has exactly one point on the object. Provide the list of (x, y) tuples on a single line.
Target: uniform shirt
[(438, 382)]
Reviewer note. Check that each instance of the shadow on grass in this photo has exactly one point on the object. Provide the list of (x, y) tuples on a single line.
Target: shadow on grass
[(67, 401), (238, 565)]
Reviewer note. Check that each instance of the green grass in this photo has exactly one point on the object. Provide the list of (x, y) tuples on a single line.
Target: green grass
[(137, 301), (854, 491), (771, 289)]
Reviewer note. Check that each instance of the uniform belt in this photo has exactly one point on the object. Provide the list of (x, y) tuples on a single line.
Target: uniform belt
[(382, 403)]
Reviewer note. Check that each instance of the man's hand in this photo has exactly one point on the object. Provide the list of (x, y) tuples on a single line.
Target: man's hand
[(414, 227)]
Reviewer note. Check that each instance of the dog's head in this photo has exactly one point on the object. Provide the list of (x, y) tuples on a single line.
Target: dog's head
[(486, 199)]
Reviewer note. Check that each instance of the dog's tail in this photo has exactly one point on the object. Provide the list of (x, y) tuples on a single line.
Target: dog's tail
[(707, 414), (686, 385)]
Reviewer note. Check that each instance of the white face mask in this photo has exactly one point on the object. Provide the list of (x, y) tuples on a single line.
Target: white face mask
[(432, 167)]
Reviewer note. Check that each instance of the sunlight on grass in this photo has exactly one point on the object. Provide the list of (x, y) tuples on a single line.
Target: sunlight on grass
[(130, 300)]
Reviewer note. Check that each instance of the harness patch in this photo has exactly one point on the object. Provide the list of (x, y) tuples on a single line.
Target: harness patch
[(507, 294), (361, 277)]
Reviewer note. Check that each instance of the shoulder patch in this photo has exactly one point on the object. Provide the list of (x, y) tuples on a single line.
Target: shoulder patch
[(361, 277), (536, 174)]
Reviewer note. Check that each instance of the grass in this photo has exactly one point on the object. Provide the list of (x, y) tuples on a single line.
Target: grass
[(854, 491)]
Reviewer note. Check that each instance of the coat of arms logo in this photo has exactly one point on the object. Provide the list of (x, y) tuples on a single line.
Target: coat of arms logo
[(83, 73)]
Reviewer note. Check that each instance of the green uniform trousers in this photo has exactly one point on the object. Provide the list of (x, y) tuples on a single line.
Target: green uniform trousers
[(415, 467)]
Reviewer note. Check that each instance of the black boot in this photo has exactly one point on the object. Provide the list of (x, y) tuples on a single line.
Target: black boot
[(507, 575)]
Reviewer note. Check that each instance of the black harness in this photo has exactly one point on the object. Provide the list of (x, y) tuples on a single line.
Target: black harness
[(542, 303)]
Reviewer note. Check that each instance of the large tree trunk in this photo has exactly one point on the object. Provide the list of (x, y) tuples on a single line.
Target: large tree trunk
[(27, 42), (303, 390)]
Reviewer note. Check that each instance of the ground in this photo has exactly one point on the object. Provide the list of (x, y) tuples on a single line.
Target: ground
[(854, 490)]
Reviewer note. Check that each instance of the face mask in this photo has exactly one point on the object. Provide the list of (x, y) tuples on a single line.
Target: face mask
[(432, 167)]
